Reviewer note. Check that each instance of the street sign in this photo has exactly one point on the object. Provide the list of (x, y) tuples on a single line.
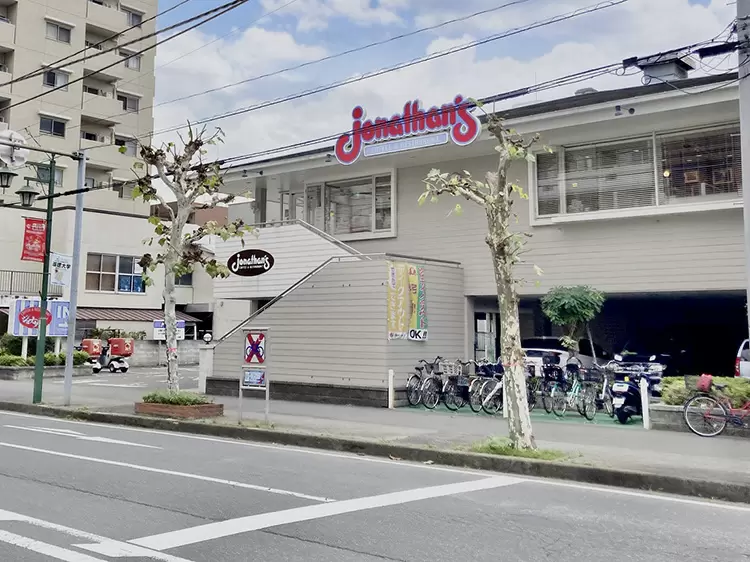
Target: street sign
[(24, 316), (254, 374), (254, 378), (160, 330), (255, 347)]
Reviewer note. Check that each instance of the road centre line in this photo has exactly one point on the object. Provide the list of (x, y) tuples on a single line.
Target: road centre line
[(119, 549), (232, 483), (230, 527)]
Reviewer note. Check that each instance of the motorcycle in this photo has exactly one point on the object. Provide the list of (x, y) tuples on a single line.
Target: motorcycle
[(113, 363), (626, 395)]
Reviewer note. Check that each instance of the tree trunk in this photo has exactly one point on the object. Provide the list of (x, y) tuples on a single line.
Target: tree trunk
[(170, 322), (515, 399)]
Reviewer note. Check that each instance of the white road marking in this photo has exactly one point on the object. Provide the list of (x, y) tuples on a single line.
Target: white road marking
[(169, 472), (80, 436), (124, 385), (125, 549), (56, 552), (231, 527)]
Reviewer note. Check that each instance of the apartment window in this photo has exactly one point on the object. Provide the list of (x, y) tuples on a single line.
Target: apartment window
[(134, 18), (114, 274), (56, 79), (49, 126), (42, 174), (184, 280), (356, 207), (665, 169), (132, 62), (131, 146), (93, 91), (129, 103), (58, 32)]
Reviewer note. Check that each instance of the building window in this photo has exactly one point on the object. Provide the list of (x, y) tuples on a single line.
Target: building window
[(128, 103), (42, 174), (134, 18), (675, 169), (114, 274), (58, 32), (357, 207), (93, 91), (184, 280), (56, 79), (130, 145), (132, 62), (49, 126)]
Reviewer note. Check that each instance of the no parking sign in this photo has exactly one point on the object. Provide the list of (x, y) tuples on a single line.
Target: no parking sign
[(254, 374)]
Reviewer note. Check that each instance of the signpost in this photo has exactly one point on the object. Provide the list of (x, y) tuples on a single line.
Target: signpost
[(254, 374), (160, 330)]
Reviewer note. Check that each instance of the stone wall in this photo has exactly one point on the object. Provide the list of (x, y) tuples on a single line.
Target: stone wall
[(153, 353)]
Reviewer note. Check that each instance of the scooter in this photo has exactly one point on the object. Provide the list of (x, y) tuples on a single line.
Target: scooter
[(114, 363), (626, 396)]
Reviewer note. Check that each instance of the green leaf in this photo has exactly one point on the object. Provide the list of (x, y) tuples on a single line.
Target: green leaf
[(154, 220), (423, 198), (459, 210)]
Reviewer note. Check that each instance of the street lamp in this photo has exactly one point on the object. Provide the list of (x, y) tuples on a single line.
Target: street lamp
[(207, 337), (27, 194), (6, 178)]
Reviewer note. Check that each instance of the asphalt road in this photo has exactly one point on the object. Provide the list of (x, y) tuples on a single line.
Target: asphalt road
[(81, 492)]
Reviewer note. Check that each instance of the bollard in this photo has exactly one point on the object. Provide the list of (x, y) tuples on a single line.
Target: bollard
[(645, 402), (391, 390)]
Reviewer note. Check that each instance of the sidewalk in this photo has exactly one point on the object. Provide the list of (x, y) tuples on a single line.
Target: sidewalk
[(602, 443)]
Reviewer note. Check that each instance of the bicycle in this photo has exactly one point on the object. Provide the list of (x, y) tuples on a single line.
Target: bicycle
[(580, 393), (432, 384), (713, 412), (491, 393), (456, 391), (414, 382), (534, 386)]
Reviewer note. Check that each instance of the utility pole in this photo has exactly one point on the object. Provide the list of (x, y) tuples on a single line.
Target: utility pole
[(743, 36), (42, 337), (74, 274)]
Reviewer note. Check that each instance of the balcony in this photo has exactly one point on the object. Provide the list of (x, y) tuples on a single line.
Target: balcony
[(101, 108), (7, 33), (107, 17), (92, 65), (5, 76), (25, 284), (107, 156)]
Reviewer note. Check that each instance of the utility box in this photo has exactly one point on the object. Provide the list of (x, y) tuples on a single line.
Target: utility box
[(121, 347)]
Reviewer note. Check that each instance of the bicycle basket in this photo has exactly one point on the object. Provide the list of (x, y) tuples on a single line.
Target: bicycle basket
[(450, 369), (591, 375)]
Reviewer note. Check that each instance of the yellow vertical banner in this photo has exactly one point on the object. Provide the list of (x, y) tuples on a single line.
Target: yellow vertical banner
[(398, 301)]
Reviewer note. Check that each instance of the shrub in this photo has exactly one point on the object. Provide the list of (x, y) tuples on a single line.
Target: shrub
[(674, 391), (12, 361), (11, 345), (80, 357), (31, 361), (176, 398), (50, 359)]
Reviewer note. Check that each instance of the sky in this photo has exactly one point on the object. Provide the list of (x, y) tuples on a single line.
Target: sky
[(265, 36)]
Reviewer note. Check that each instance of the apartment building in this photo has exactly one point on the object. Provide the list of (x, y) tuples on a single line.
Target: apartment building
[(107, 113), (640, 198)]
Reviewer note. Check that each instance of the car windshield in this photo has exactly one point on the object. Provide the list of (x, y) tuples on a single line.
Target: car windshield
[(638, 347), (542, 343)]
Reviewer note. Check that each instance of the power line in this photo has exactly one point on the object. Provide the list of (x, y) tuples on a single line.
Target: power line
[(216, 12), (52, 66), (386, 70)]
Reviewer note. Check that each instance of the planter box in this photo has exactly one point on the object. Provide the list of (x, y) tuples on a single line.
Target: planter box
[(25, 373), (182, 412), (670, 418)]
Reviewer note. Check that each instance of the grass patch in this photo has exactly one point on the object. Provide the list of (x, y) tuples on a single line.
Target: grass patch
[(176, 398), (496, 446)]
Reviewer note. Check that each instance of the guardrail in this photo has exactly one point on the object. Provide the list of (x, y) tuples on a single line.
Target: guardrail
[(26, 283)]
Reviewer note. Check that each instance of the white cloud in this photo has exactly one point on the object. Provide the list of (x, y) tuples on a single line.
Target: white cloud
[(639, 27), (315, 14)]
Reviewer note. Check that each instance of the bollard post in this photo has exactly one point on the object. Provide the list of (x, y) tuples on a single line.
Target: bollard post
[(645, 402), (391, 390)]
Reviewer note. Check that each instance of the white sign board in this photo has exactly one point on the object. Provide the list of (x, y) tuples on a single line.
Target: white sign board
[(160, 330), (60, 269), (24, 317)]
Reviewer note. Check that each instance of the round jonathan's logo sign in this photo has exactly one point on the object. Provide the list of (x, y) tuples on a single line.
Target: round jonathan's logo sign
[(250, 263)]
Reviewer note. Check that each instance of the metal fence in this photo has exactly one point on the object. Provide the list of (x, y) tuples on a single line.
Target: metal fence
[(25, 283)]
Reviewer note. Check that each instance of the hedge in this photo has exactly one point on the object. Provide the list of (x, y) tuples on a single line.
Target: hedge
[(674, 392)]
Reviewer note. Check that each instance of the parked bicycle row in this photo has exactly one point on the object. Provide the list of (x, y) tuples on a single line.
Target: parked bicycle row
[(612, 388)]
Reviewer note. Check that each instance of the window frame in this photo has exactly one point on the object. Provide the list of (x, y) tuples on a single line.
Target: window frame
[(59, 172), (58, 27), (372, 234), (132, 60), (180, 281), (53, 121), (57, 74), (129, 14), (118, 273), (127, 142), (657, 209), (126, 101)]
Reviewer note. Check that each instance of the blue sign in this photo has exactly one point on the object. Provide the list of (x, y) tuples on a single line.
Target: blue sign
[(23, 318), (161, 325), (254, 378)]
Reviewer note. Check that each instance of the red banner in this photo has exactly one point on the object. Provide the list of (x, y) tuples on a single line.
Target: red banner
[(34, 234)]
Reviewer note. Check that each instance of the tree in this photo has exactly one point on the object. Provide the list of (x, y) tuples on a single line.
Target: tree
[(186, 175), (572, 308), (496, 196)]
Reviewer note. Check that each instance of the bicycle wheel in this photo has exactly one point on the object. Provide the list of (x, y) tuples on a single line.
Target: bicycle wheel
[(532, 386), (705, 416), (413, 393), (451, 395), (589, 404), (431, 392), (609, 407), (492, 404), (559, 402), (475, 394), (547, 397)]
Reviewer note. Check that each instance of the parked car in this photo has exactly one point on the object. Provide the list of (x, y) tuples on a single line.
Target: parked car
[(536, 348), (665, 360), (742, 362)]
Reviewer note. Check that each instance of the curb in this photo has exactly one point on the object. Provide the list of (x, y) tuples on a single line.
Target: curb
[(717, 490)]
